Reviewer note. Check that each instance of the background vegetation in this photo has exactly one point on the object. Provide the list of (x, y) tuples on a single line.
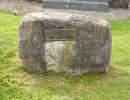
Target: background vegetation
[(16, 84)]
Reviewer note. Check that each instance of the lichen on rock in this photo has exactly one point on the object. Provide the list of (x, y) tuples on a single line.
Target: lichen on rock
[(60, 55)]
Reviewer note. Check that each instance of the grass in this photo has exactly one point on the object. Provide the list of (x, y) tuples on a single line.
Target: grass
[(16, 84), (121, 42)]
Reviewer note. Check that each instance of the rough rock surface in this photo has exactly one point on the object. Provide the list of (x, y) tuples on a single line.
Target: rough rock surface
[(119, 3), (90, 53), (59, 55)]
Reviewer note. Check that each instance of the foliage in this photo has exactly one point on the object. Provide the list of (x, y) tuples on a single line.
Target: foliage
[(16, 84)]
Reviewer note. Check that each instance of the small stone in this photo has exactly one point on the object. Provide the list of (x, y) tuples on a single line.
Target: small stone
[(15, 12)]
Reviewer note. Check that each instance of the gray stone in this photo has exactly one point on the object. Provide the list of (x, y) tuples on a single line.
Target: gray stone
[(90, 53), (60, 55), (92, 5), (15, 12), (119, 3)]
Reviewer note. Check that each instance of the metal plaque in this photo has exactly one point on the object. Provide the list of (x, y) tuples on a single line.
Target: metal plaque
[(60, 34)]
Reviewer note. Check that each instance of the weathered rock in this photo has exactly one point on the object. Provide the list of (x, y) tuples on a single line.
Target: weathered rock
[(60, 55), (119, 3), (90, 53)]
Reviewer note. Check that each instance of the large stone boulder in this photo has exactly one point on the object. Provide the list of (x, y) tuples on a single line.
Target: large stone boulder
[(119, 3), (90, 53)]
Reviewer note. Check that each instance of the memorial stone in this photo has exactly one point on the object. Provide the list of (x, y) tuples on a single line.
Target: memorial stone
[(77, 44)]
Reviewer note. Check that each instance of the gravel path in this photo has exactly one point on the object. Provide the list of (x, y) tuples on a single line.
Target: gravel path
[(24, 7)]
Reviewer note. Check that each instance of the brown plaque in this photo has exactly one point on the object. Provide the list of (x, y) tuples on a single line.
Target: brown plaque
[(60, 34)]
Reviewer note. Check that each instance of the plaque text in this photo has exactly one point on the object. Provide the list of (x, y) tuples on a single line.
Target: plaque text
[(60, 34)]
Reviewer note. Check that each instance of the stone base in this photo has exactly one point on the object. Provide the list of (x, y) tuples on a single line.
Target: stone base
[(92, 5)]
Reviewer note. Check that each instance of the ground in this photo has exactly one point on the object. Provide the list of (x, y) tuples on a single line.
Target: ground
[(24, 7), (17, 84)]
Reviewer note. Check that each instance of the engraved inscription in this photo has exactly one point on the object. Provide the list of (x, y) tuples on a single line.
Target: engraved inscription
[(60, 34)]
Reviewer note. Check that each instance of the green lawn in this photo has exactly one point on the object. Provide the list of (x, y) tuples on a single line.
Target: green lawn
[(16, 84)]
